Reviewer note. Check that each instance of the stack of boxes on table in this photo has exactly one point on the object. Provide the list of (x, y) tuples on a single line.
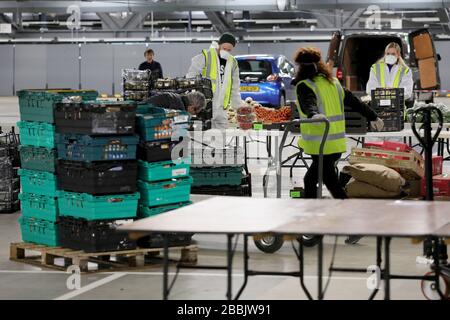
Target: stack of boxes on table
[(163, 166), (38, 162), (9, 163), (136, 84)]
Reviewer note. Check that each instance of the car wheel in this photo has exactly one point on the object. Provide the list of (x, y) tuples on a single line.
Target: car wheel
[(269, 244), (311, 241)]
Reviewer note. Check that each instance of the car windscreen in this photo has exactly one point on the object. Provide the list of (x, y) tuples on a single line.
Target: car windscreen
[(254, 70)]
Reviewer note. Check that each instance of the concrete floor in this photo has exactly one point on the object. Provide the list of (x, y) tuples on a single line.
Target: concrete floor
[(21, 281)]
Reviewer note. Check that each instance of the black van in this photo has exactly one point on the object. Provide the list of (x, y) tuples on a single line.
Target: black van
[(352, 56)]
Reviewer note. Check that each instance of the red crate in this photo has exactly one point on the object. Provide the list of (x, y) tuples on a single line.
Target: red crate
[(441, 185), (388, 145), (438, 162)]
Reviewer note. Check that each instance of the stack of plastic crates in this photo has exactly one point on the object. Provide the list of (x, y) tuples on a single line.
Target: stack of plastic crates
[(96, 173), (38, 161), (163, 172), (9, 163), (220, 171), (136, 84), (389, 104)]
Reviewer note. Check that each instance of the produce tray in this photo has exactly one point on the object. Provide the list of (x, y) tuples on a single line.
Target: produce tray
[(96, 117), (38, 206), (163, 170), (216, 176), (87, 206), (92, 236), (145, 212), (37, 105), (217, 157), (38, 158), (79, 147), (166, 192), (39, 231), (38, 182), (97, 178), (38, 134), (243, 190), (156, 151)]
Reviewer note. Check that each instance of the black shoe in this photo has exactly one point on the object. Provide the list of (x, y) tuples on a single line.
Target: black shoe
[(353, 239)]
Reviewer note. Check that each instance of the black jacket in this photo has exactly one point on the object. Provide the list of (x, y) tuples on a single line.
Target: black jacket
[(155, 68), (169, 100), (308, 103)]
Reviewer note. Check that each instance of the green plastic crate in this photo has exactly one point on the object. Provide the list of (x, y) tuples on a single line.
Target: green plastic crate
[(145, 212), (38, 158), (89, 207), (38, 134), (38, 182), (39, 231), (216, 176), (37, 105), (163, 170), (165, 192), (37, 206)]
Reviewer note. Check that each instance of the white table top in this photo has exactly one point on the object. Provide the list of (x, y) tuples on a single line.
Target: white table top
[(238, 215)]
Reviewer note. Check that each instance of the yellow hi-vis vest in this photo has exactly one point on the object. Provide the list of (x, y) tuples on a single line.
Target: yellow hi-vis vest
[(330, 102), (378, 70), (211, 71)]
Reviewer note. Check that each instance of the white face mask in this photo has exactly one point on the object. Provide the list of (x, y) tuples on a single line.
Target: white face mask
[(224, 54), (390, 59)]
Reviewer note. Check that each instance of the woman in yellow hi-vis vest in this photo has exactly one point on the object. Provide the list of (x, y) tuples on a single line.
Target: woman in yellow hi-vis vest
[(320, 95), (391, 72), (221, 67)]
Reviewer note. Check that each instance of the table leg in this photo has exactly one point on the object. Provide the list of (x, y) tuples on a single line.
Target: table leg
[(246, 258), (437, 268), (301, 266), (229, 265), (379, 245), (387, 268), (320, 269), (166, 267)]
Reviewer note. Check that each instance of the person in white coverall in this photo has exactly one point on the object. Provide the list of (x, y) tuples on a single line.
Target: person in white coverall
[(217, 64)]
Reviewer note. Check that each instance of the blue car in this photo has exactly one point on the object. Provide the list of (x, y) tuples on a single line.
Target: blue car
[(267, 79)]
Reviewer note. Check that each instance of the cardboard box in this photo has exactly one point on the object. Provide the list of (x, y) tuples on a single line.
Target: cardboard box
[(438, 162), (441, 185), (388, 145)]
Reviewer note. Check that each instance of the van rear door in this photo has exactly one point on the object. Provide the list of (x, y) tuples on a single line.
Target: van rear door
[(423, 55), (333, 49)]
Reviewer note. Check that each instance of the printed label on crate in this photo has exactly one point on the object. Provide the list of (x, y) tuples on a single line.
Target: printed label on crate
[(183, 118), (385, 102), (179, 172)]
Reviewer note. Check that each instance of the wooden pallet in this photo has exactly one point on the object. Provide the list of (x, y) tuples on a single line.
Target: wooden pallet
[(104, 261)]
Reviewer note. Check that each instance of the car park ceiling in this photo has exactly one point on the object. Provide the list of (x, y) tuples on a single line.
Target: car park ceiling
[(200, 20)]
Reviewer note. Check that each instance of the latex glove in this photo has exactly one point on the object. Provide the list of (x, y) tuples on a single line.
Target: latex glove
[(366, 99), (378, 124), (318, 116)]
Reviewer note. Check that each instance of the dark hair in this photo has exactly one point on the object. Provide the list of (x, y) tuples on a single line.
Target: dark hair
[(149, 51), (310, 65)]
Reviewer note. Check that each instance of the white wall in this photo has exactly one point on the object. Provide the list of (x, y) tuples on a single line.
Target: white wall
[(58, 65)]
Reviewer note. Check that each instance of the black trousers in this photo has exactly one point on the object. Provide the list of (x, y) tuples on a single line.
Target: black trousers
[(330, 177)]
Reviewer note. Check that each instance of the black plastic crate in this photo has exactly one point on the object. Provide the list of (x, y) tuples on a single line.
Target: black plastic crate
[(155, 151), (10, 195), (393, 119), (7, 171), (97, 178), (9, 184), (96, 118), (9, 146), (92, 236), (388, 98), (243, 190), (9, 207), (355, 122), (157, 241)]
